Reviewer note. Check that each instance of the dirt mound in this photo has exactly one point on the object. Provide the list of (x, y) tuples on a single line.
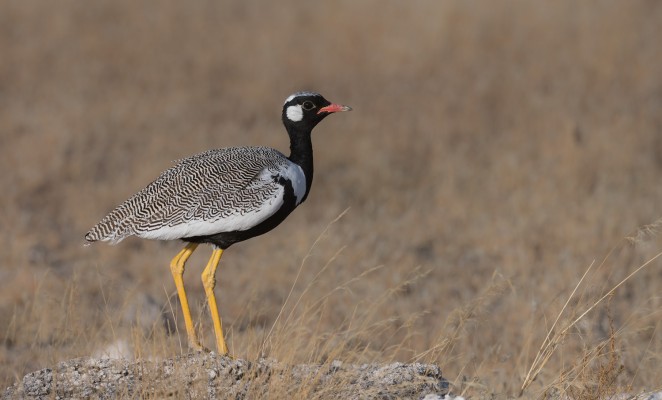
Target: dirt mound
[(203, 375)]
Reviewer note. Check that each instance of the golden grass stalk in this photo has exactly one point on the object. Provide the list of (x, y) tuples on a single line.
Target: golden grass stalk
[(554, 339), (296, 279)]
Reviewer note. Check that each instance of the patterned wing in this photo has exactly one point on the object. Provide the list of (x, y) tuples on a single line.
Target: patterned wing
[(212, 191)]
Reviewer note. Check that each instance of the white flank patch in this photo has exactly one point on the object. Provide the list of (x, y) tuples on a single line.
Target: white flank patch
[(291, 172), (239, 221), (231, 223), (294, 113), (294, 174)]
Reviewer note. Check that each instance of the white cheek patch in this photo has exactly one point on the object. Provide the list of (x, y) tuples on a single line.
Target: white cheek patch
[(294, 113)]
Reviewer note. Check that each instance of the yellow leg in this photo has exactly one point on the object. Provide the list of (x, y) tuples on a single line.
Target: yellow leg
[(209, 282), (177, 269)]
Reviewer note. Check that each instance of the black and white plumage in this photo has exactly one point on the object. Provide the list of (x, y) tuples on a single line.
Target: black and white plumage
[(223, 196), (224, 190)]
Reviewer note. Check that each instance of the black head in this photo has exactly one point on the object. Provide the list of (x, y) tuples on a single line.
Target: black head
[(303, 110)]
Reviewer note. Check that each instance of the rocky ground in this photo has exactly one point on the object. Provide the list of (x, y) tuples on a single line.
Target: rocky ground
[(207, 375)]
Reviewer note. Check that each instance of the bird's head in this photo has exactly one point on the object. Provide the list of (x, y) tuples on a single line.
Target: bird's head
[(303, 110)]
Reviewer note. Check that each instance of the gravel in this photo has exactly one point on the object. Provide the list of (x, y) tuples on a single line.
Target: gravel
[(207, 375)]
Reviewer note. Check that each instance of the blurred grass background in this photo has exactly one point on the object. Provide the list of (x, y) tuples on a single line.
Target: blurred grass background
[(495, 150)]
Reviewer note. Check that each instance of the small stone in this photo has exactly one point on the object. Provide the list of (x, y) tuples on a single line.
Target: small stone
[(335, 365)]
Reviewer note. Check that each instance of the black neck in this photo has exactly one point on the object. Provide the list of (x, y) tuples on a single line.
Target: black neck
[(301, 153)]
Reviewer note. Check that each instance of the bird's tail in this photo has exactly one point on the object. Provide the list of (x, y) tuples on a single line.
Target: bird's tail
[(108, 230)]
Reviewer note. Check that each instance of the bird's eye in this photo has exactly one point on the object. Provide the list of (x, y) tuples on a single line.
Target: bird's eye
[(308, 105)]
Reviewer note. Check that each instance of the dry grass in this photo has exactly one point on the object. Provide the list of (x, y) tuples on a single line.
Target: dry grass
[(494, 152)]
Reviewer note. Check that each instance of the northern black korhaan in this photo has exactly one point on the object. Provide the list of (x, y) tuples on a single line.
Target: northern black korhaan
[(222, 197)]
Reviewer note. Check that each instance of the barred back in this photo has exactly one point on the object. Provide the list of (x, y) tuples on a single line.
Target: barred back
[(217, 185)]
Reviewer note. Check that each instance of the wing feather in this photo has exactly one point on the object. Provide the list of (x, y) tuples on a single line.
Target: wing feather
[(215, 190)]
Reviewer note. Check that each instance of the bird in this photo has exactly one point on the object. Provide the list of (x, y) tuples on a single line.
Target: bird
[(221, 197)]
